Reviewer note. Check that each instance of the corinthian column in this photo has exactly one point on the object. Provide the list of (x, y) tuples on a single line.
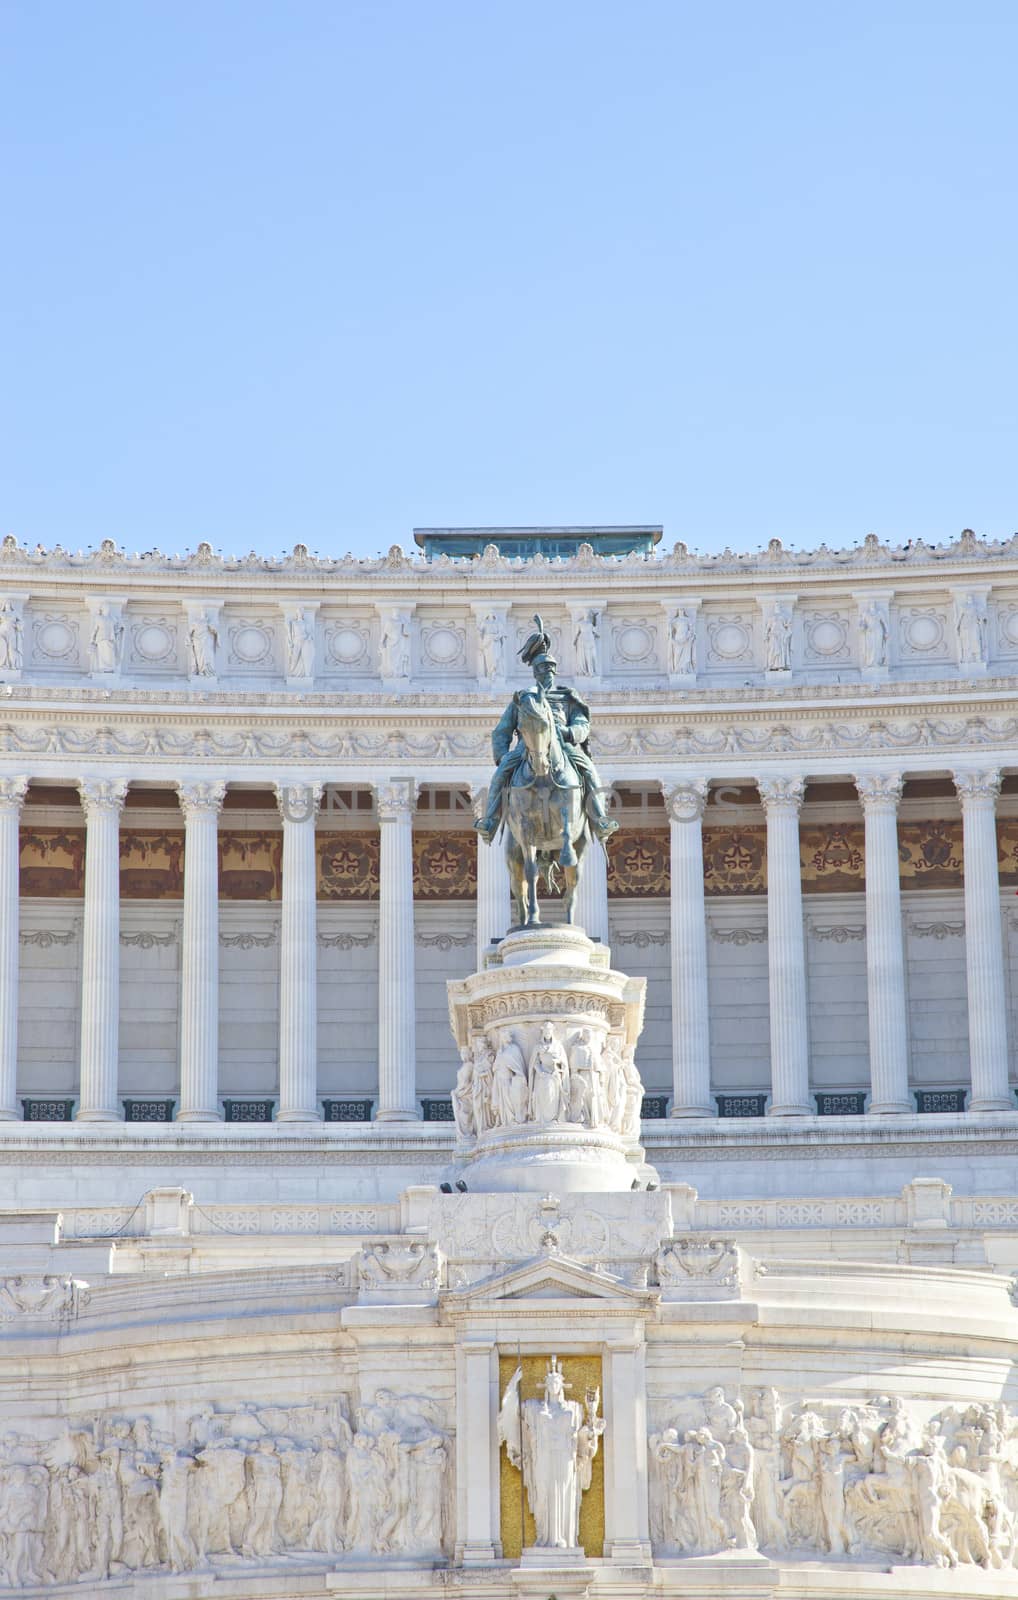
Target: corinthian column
[(984, 945), (690, 1011), (12, 795), (397, 1098), (103, 800), (199, 979), (298, 968), (885, 946), (494, 913), (786, 950)]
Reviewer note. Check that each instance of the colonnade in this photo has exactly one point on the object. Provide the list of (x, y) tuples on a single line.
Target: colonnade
[(201, 802)]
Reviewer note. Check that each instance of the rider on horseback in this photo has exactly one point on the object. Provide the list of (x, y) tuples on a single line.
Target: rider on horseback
[(572, 720)]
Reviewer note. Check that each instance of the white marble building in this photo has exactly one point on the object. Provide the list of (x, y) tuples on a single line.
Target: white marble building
[(237, 874)]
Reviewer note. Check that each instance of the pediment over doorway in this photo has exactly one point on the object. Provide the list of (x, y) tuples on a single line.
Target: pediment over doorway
[(549, 1279)]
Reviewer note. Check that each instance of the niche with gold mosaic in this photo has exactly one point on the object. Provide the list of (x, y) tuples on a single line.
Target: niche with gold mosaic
[(517, 1524)]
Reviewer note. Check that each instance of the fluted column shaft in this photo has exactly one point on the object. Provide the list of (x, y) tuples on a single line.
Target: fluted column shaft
[(397, 1098), (786, 950), (691, 1096), (984, 945), (885, 946), (298, 961), (103, 800), (590, 909), (199, 978), (12, 795), (494, 914)]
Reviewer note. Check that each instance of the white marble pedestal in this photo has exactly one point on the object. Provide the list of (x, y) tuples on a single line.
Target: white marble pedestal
[(551, 984)]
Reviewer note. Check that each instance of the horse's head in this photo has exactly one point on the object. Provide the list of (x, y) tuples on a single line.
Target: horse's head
[(538, 732)]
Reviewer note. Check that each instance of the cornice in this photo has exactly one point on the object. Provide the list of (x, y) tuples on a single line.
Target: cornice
[(302, 570)]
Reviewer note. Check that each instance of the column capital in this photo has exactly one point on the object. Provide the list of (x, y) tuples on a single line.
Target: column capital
[(396, 800), (102, 795), (781, 793), (12, 794), (684, 802), (977, 786), (201, 798), (298, 802), (879, 790)]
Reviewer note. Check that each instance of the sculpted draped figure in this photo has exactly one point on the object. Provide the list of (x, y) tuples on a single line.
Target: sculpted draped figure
[(553, 1442), (545, 787)]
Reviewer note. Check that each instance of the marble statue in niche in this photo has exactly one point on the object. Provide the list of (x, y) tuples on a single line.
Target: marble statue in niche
[(778, 639), (490, 646), (394, 646), (585, 644), (873, 635), (970, 629), (107, 638), (203, 638), (300, 646), (682, 644), (553, 1443), (11, 636)]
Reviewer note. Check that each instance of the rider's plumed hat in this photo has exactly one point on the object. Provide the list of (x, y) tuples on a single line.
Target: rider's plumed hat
[(538, 646)]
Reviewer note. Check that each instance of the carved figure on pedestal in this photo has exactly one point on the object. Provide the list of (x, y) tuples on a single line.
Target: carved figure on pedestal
[(549, 1079), (631, 1115), (553, 1442), (511, 1088), (463, 1096), (546, 782), (484, 1065), (586, 1101)]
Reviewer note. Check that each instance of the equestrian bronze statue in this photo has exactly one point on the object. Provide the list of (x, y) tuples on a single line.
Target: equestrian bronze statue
[(545, 787)]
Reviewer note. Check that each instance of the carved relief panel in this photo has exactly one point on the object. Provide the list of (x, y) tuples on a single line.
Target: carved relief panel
[(826, 638), (634, 643), (251, 643), (350, 643), (153, 642), (442, 645), (731, 644), (56, 638)]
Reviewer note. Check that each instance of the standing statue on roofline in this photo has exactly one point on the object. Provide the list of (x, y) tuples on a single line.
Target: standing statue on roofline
[(545, 788)]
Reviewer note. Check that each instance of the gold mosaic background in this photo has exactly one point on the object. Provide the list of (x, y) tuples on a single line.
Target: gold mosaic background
[(445, 864), (582, 1372)]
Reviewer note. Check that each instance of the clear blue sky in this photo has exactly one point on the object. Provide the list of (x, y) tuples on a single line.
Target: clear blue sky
[(325, 271)]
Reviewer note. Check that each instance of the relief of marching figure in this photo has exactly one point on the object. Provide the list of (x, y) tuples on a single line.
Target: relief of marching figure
[(110, 1496), (577, 1076), (849, 1481)]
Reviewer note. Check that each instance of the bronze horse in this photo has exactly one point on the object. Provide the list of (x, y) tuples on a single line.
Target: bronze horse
[(545, 812)]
